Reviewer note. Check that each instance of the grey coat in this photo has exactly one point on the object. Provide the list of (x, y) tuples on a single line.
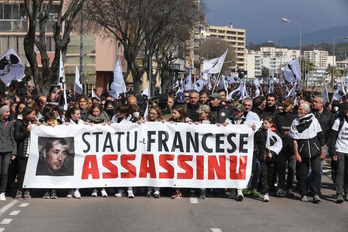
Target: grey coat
[(7, 141)]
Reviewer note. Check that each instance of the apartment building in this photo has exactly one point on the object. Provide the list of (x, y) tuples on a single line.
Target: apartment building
[(234, 36), (317, 57), (269, 57)]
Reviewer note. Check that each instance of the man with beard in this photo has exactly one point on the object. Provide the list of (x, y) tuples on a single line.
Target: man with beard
[(271, 107), (283, 122)]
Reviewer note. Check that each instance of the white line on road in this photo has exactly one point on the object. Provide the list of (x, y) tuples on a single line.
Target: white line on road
[(6, 221), (215, 230), (14, 212), (23, 205), (2, 229), (193, 200), (7, 207)]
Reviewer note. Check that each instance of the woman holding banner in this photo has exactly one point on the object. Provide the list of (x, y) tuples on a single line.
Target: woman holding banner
[(154, 115), (97, 115)]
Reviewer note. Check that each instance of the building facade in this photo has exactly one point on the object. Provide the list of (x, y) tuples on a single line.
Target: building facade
[(317, 57), (235, 37)]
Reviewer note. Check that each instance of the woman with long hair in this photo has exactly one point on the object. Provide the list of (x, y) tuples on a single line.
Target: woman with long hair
[(22, 128)]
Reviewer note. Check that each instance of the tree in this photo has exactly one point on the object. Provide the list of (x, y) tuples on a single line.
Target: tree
[(38, 16), (265, 72), (214, 47), (143, 27)]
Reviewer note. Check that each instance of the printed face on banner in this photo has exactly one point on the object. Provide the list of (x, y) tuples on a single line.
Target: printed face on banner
[(56, 156)]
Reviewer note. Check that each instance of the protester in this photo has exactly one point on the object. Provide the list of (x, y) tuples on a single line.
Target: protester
[(22, 128), (8, 147), (286, 156), (339, 152), (267, 157), (309, 144)]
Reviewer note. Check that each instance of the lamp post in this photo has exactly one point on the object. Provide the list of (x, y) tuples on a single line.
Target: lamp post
[(285, 20), (333, 58)]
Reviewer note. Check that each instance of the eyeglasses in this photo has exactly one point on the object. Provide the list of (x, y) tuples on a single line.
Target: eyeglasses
[(187, 96)]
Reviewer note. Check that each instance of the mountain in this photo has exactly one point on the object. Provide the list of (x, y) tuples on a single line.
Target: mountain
[(325, 35)]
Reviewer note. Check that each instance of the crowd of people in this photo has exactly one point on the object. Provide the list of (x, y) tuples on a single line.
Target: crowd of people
[(310, 131)]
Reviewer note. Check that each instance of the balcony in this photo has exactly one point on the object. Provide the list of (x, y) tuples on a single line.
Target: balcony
[(13, 25)]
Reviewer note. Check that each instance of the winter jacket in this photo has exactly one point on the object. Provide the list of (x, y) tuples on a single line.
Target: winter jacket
[(7, 141), (282, 122), (308, 135), (260, 146), (326, 120), (192, 112), (21, 136), (220, 113)]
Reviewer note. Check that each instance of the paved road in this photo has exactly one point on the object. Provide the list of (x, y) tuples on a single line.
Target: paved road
[(186, 214)]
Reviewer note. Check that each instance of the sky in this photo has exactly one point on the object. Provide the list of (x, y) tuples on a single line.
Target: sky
[(262, 18)]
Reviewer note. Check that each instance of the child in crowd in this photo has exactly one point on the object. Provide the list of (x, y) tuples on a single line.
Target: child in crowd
[(266, 156)]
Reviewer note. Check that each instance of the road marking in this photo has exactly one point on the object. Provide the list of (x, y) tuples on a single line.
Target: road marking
[(193, 200), (7, 207), (23, 205), (215, 230), (14, 212), (6, 221), (2, 229)]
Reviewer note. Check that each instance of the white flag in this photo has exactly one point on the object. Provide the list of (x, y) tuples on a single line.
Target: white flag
[(188, 82), (340, 92), (245, 92), (292, 71), (292, 92), (214, 66), (62, 80), (146, 92), (273, 142), (11, 67), (77, 85), (325, 93), (118, 86), (199, 85), (94, 95)]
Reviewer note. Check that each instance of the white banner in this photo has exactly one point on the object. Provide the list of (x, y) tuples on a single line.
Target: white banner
[(150, 154)]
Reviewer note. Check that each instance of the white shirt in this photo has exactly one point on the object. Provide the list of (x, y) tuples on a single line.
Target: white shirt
[(342, 138)]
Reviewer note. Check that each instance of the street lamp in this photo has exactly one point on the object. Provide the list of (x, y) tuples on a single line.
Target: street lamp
[(285, 20), (333, 58)]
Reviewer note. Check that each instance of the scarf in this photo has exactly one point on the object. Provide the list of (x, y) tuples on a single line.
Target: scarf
[(304, 122)]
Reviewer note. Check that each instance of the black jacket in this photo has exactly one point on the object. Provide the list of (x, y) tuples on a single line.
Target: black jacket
[(326, 120), (192, 112), (220, 113), (260, 147), (21, 135), (283, 123)]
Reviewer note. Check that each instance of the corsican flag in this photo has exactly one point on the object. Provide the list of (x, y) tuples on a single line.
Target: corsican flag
[(118, 86), (62, 80), (11, 67), (214, 66), (77, 85), (340, 92), (237, 94), (146, 92), (292, 71), (273, 142)]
